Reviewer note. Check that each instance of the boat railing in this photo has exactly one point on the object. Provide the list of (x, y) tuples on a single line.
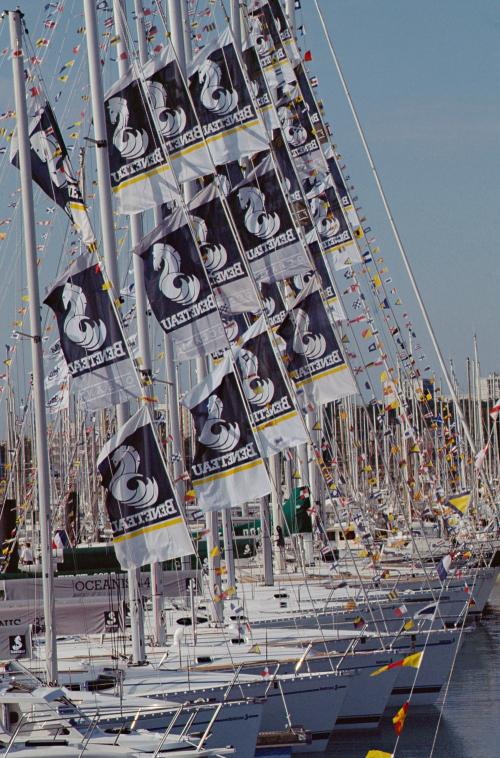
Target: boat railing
[(45, 724), (92, 726), (232, 682), (14, 735), (208, 730)]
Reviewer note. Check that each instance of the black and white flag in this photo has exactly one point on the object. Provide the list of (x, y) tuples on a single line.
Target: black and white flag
[(146, 520), (221, 256), (228, 117), (234, 326), (266, 39), (284, 31), (59, 401), (273, 304), (173, 113), (56, 375), (141, 173), (260, 89), (276, 420), (91, 336), (227, 468), (297, 283), (312, 355), (292, 183), (336, 238), (265, 226), (178, 289), (312, 106), (301, 137), (340, 186), (51, 170)]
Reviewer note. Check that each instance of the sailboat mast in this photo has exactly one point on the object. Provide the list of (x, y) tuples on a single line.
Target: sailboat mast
[(141, 303), (109, 250), (401, 248), (36, 343)]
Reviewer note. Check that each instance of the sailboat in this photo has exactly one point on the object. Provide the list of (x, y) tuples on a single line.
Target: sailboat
[(241, 228)]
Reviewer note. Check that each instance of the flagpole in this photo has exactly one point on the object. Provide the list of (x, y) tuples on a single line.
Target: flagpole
[(400, 245), (36, 344), (141, 302), (110, 259)]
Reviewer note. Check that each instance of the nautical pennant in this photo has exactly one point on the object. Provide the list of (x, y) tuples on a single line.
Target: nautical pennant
[(460, 502)]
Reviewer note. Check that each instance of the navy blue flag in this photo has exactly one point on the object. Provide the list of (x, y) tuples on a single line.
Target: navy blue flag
[(146, 520), (178, 288)]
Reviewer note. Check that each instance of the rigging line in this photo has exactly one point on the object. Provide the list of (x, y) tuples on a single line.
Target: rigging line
[(452, 669), (391, 485), (400, 246)]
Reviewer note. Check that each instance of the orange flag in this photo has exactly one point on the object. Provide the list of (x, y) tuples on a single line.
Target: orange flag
[(399, 719)]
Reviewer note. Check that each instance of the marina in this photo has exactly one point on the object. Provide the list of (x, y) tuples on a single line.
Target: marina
[(248, 505)]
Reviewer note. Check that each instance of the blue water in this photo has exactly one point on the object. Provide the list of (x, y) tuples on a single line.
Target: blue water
[(470, 723)]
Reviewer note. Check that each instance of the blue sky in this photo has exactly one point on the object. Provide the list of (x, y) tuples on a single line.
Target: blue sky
[(424, 80), (423, 77)]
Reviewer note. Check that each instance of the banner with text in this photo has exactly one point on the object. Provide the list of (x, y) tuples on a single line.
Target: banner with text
[(227, 468), (91, 337), (147, 523)]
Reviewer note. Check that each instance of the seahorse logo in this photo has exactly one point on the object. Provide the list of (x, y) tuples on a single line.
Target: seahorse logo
[(131, 143), (214, 96), (172, 121), (316, 185), (264, 225), (257, 390), (217, 433), (49, 151), (173, 283), (261, 40), (295, 133), (127, 485), (269, 306), (17, 644), (300, 280), (214, 256), (78, 327), (324, 220), (232, 330), (306, 343)]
